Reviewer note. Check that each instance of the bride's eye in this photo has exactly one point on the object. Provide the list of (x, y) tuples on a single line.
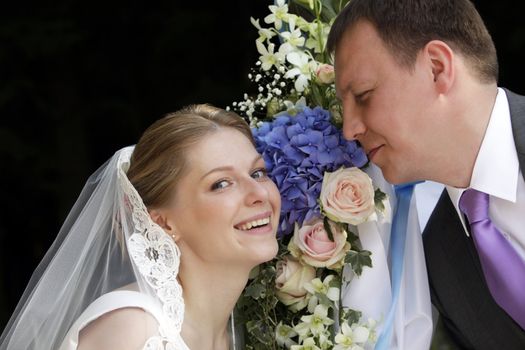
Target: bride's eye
[(220, 185), (260, 173)]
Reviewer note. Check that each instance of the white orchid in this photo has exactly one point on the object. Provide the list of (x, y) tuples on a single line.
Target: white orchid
[(293, 108), (303, 69), (325, 342), (351, 338), (265, 34), (316, 322), (316, 286), (293, 37), (268, 57), (278, 15), (308, 344), (284, 335), (317, 37)]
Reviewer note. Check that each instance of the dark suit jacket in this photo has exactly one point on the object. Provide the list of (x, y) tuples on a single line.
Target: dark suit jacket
[(457, 285)]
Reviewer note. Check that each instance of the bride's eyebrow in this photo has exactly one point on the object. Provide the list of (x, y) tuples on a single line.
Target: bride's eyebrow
[(229, 167), (218, 169), (257, 158)]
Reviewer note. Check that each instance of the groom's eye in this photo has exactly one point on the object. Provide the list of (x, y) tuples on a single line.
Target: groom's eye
[(360, 98)]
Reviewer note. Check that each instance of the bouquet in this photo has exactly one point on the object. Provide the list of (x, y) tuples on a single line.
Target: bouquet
[(294, 301)]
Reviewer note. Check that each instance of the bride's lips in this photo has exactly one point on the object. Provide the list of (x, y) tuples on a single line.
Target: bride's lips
[(262, 223), (373, 152)]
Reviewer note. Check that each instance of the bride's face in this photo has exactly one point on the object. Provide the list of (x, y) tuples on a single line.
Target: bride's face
[(226, 209)]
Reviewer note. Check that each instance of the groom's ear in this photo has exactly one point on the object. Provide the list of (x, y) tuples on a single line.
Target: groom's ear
[(441, 59)]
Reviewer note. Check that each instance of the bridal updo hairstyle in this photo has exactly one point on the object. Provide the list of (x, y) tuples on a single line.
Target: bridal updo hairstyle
[(406, 26), (159, 160)]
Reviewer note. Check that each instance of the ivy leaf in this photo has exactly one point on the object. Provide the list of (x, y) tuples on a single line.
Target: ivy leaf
[(351, 316), (335, 282), (260, 331), (353, 239), (256, 291), (358, 260), (379, 197)]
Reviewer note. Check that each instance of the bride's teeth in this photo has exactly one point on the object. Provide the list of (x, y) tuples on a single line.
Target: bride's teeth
[(249, 225)]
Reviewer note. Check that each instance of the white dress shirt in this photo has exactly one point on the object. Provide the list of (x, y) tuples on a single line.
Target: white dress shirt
[(497, 173), (427, 195)]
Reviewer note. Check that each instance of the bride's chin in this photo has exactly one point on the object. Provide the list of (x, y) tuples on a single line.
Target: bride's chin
[(264, 252)]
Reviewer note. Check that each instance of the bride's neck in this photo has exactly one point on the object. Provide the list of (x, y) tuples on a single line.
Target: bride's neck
[(210, 294)]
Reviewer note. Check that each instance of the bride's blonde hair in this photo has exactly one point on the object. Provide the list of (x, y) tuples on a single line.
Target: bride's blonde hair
[(159, 158)]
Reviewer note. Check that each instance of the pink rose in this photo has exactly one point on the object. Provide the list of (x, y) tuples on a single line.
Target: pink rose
[(325, 74), (291, 276), (347, 196), (312, 245)]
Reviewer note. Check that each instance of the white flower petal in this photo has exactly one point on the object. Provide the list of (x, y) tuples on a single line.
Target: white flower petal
[(333, 294), (361, 334)]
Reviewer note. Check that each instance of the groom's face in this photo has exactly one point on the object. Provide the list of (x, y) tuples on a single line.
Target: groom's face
[(386, 106)]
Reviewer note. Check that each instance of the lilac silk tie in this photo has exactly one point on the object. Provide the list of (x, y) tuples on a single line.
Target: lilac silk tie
[(503, 268)]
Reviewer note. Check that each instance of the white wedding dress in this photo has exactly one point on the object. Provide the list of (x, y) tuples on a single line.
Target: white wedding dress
[(110, 302), (114, 301)]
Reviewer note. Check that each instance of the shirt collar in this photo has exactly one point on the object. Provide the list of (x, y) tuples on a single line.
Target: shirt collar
[(497, 151)]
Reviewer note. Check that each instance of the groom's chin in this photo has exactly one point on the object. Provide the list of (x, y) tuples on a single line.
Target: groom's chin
[(395, 176)]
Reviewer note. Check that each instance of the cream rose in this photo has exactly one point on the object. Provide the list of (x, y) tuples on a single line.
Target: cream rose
[(312, 245), (291, 276), (347, 196), (325, 74)]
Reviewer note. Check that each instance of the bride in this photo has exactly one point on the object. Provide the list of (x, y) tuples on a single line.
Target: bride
[(159, 245)]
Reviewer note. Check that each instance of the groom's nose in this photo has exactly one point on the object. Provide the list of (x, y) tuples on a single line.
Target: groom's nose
[(353, 126)]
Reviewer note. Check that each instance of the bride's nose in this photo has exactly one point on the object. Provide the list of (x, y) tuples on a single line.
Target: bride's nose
[(256, 193)]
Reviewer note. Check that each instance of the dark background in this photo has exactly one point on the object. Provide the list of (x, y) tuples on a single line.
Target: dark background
[(79, 80)]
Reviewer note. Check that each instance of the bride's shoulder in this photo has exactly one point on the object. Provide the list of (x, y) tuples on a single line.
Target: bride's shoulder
[(123, 328), (121, 319)]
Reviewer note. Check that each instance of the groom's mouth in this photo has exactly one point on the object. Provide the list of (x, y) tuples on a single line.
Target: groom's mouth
[(373, 152)]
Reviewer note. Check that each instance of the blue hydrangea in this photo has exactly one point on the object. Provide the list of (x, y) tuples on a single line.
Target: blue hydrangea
[(298, 150)]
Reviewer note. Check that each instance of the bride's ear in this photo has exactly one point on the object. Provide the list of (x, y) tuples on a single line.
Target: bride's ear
[(442, 63), (161, 218)]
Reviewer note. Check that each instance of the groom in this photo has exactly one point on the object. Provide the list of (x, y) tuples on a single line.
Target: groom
[(418, 84)]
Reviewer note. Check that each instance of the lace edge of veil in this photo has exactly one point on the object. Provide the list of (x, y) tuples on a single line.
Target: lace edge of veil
[(157, 258)]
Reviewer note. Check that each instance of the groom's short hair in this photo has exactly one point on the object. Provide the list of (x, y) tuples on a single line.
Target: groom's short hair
[(406, 26)]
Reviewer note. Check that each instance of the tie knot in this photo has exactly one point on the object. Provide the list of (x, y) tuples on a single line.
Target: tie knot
[(475, 205)]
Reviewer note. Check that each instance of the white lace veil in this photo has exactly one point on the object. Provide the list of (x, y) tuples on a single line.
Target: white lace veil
[(91, 256)]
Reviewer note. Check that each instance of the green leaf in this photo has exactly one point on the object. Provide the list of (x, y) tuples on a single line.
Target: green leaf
[(316, 94), (328, 10), (379, 197), (328, 229), (351, 316), (323, 299), (353, 239), (256, 291), (358, 260), (260, 331), (335, 282)]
